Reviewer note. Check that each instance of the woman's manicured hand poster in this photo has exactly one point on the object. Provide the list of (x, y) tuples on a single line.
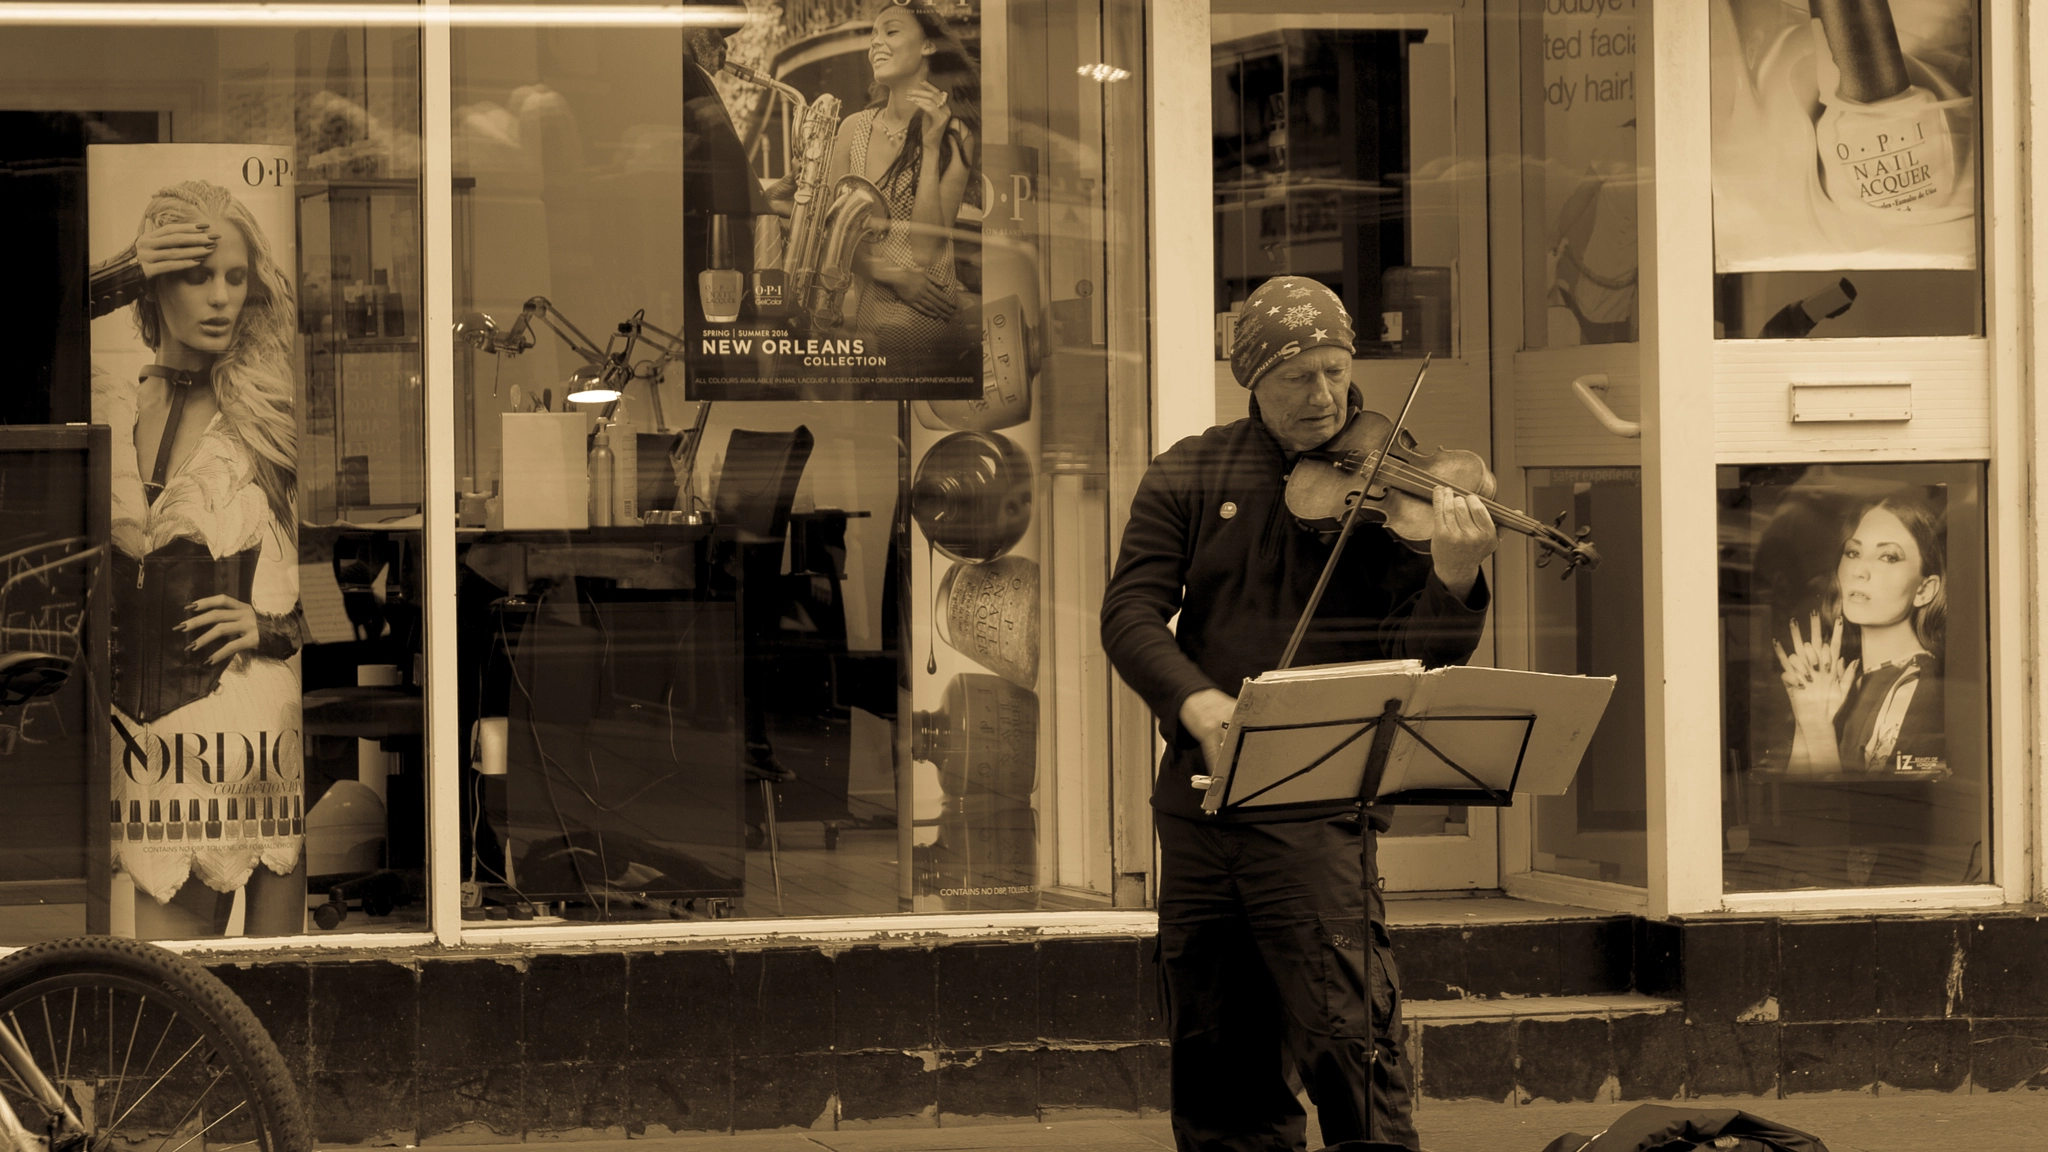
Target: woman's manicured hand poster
[(1854, 657)]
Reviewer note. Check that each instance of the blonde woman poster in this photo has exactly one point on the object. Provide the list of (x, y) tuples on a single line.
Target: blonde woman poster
[(194, 315)]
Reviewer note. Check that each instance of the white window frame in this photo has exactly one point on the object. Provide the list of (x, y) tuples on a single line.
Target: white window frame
[(1705, 383), (1176, 37)]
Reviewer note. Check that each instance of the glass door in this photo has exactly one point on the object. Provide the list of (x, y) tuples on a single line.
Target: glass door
[(1349, 148), (1568, 320)]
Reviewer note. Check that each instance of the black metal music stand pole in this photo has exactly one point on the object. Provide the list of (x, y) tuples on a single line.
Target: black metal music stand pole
[(1368, 790)]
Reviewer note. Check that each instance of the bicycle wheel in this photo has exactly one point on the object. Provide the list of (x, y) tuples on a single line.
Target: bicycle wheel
[(147, 1051)]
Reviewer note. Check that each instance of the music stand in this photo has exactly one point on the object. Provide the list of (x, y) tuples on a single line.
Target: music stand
[(1571, 707)]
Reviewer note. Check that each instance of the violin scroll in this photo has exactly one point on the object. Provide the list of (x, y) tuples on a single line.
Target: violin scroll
[(1575, 548)]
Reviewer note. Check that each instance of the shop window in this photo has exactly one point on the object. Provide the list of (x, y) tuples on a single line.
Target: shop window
[(1334, 159), (225, 270), (1592, 625), (1846, 170), (1579, 187), (1855, 707), (786, 511)]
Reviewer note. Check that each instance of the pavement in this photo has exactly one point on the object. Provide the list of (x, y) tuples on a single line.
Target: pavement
[(1846, 1122)]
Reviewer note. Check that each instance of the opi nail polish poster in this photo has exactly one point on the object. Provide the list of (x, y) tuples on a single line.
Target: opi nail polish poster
[(1854, 657), (833, 209), (195, 315), (1845, 134)]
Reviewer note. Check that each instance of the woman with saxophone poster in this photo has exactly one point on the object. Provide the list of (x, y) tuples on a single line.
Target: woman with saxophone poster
[(192, 344), (852, 288)]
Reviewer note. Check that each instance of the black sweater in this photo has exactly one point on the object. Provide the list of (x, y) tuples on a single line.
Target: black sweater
[(1210, 538)]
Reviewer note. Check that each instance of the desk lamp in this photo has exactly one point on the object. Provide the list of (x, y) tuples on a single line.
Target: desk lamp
[(606, 372)]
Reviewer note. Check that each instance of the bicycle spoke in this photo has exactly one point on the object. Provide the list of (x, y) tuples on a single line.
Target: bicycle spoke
[(26, 1092), (194, 1107), (49, 1029), (134, 1030), (216, 1124), (21, 1034), (158, 1083), (212, 1126)]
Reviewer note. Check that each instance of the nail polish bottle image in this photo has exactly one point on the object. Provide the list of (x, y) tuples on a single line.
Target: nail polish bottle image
[(234, 826), (156, 820), (213, 819), (298, 818), (114, 808), (1885, 143), (269, 816), (135, 819), (720, 286), (175, 829), (249, 818)]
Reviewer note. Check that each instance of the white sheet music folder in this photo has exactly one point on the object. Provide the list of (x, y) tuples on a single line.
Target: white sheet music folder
[(1303, 736)]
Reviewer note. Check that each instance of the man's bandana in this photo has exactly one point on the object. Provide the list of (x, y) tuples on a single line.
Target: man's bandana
[(1287, 316)]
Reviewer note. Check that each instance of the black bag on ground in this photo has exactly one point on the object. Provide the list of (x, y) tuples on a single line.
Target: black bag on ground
[(1662, 1128)]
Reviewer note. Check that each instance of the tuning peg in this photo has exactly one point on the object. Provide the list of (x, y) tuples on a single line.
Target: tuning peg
[(1585, 533), (1559, 522), (1544, 557)]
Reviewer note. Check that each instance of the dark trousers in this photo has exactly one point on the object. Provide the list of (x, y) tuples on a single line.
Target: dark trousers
[(1263, 930)]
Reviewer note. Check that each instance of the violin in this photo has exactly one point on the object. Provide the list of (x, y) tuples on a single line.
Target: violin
[(1325, 482)]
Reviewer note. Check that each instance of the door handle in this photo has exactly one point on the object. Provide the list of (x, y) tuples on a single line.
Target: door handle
[(1585, 387)]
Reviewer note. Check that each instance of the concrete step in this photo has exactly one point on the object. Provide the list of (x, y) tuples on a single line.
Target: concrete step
[(1494, 947), (1515, 1050)]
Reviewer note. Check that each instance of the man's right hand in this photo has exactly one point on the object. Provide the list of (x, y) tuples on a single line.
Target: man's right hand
[(1206, 716)]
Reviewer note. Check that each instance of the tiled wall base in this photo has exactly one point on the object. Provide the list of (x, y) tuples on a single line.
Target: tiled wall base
[(461, 1048), (446, 1048), (1765, 1007)]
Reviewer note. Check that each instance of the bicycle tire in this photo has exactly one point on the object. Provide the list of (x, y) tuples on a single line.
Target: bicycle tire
[(90, 982)]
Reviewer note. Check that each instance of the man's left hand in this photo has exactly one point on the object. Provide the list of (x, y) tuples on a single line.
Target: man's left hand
[(1464, 536)]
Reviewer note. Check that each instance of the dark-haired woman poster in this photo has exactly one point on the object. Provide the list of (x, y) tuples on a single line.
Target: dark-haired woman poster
[(918, 142), (206, 756), (1863, 713)]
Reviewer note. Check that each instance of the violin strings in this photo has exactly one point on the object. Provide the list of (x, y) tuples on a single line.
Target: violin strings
[(1399, 469)]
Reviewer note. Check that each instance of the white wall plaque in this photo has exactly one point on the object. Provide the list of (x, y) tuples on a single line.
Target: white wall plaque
[(1845, 401)]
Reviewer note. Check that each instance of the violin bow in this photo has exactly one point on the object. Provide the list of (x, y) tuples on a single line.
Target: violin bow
[(1315, 598)]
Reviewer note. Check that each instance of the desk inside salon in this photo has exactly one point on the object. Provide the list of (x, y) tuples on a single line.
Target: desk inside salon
[(613, 774)]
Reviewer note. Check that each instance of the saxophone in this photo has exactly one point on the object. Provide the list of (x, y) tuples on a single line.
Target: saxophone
[(816, 133), (858, 213), (824, 225)]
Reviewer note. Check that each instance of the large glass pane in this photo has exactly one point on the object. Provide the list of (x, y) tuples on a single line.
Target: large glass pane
[(786, 448), (1846, 159), (1579, 254), (1592, 625), (227, 264), (1854, 698), (1334, 159)]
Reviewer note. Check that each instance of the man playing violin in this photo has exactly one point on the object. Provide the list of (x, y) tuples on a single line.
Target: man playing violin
[(1264, 917)]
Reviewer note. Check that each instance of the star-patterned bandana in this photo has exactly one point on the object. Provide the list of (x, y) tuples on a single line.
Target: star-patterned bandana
[(1287, 316)]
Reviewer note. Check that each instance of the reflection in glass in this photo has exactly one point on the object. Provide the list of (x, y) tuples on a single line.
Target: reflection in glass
[(327, 414), (1853, 618), (838, 657), (1333, 150), (1592, 625), (1579, 175)]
